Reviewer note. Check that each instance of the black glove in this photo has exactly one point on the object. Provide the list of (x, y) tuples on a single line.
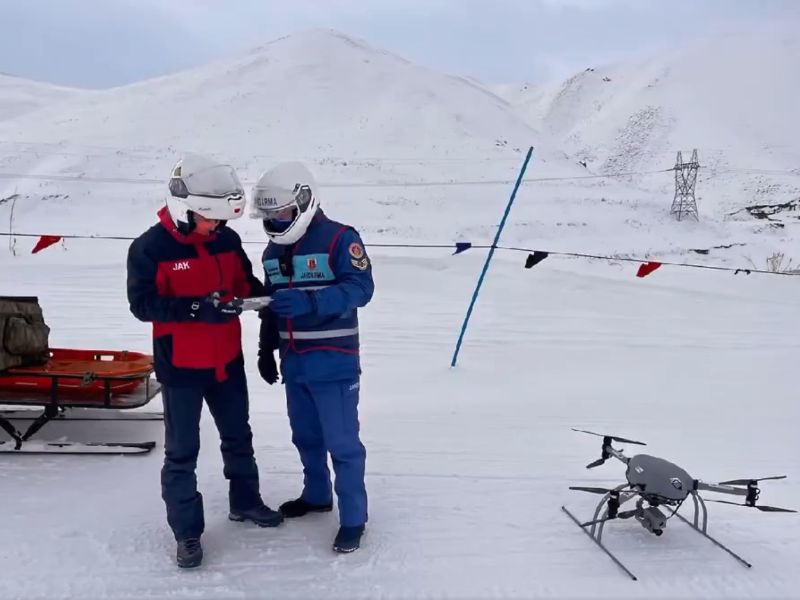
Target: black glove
[(210, 309), (267, 367)]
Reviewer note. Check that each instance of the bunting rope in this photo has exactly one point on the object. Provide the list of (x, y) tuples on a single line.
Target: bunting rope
[(534, 258), (333, 184), (379, 184)]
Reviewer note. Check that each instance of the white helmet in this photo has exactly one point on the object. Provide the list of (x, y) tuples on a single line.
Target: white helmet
[(200, 185), (287, 185)]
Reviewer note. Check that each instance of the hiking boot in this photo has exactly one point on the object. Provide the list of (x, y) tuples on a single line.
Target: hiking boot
[(262, 515), (190, 553), (299, 507), (348, 539)]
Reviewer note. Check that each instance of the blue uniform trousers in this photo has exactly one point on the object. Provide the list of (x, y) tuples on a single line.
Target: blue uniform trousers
[(324, 419)]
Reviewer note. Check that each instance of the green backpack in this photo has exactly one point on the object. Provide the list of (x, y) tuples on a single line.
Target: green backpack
[(24, 336)]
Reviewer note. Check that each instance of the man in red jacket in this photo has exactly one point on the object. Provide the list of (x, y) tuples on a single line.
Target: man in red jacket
[(182, 274)]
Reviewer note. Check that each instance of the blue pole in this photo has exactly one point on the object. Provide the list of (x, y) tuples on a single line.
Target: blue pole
[(489, 256)]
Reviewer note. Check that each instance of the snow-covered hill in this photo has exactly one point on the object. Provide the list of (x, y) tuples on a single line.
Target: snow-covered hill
[(318, 93), (376, 130), (356, 114), (20, 96), (733, 98)]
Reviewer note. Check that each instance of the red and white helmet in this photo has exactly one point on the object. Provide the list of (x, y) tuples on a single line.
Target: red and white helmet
[(201, 185), (288, 185)]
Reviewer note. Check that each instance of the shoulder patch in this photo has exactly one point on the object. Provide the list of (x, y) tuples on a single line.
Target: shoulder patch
[(360, 263), (356, 250)]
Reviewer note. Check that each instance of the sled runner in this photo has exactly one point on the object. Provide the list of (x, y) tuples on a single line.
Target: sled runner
[(77, 385)]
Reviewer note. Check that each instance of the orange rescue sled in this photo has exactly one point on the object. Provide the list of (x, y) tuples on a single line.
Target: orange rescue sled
[(76, 380), (91, 373)]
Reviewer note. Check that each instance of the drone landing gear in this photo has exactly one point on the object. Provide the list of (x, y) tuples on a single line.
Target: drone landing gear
[(599, 544), (700, 525), (613, 499)]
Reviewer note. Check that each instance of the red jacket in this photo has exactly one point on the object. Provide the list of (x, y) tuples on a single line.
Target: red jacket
[(164, 265)]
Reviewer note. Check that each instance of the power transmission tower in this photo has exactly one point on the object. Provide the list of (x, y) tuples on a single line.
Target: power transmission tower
[(684, 204)]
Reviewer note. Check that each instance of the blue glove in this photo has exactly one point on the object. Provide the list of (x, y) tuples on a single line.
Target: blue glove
[(292, 303)]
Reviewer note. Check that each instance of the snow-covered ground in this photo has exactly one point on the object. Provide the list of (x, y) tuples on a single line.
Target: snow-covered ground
[(467, 467)]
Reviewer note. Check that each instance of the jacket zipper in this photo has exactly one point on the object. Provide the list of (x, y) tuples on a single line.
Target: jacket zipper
[(219, 270)]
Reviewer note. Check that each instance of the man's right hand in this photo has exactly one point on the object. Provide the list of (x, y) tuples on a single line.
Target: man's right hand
[(267, 367), (210, 309)]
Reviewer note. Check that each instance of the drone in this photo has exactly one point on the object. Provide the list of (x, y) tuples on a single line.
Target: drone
[(660, 489)]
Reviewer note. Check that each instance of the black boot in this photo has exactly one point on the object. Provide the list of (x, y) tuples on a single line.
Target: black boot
[(348, 539), (299, 507), (190, 553), (262, 515)]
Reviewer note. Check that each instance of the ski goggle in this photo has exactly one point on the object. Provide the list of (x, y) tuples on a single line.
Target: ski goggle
[(217, 182)]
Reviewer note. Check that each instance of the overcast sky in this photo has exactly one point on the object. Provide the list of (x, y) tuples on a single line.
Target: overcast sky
[(102, 43)]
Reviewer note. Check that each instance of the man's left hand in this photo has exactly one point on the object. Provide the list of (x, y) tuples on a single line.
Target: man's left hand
[(291, 303)]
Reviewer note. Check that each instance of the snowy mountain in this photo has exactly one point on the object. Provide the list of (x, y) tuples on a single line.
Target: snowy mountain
[(733, 98), (357, 114), (378, 130), (314, 93), (20, 96)]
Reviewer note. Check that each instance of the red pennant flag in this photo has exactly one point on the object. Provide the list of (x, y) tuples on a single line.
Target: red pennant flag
[(647, 268), (45, 241)]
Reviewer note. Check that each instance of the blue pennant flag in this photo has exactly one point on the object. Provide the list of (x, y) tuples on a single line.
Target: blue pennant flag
[(462, 247)]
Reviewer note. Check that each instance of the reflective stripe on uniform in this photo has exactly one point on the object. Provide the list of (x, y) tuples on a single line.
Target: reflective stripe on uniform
[(318, 335)]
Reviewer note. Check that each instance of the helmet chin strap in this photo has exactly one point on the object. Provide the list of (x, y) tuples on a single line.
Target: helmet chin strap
[(187, 227)]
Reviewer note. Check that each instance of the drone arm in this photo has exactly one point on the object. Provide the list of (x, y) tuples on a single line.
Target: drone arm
[(719, 488), (618, 454)]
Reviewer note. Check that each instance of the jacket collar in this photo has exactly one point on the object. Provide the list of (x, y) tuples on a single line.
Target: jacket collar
[(193, 238)]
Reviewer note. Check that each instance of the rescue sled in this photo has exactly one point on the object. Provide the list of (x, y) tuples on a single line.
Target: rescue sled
[(90, 373), (77, 385)]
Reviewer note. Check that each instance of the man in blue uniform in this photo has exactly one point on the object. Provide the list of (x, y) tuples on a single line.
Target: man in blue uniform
[(318, 274)]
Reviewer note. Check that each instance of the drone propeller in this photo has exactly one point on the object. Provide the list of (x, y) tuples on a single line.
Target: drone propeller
[(610, 437), (750, 481), (758, 506), (625, 514), (599, 490), (612, 512), (592, 490), (606, 450)]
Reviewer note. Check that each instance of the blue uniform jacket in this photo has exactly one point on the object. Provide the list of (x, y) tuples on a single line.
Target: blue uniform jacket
[(330, 263)]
